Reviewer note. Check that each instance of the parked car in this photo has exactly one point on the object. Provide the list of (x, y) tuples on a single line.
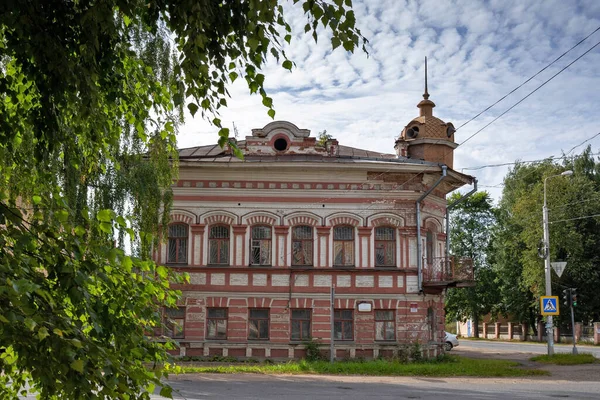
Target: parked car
[(450, 341)]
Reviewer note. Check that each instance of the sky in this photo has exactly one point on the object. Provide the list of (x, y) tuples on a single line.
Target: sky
[(478, 51)]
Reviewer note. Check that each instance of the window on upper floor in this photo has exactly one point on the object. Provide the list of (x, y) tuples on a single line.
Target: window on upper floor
[(260, 251), (258, 323), (302, 245), (178, 244), (218, 245), (429, 247), (343, 246), (216, 323), (385, 246)]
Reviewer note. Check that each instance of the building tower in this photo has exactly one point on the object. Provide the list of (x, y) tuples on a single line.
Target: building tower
[(426, 137)]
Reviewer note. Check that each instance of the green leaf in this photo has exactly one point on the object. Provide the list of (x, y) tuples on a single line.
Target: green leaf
[(104, 215), (193, 108), (166, 391), (233, 76), (287, 64), (106, 227), (36, 199), (127, 263), (42, 333), (271, 113), (335, 42), (77, 365)]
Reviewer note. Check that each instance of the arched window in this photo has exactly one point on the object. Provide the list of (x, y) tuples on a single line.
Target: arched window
[(343, 246), (261, 245), (429, 247), (178, 244), (302, 245), (385, 246), (218, 244)]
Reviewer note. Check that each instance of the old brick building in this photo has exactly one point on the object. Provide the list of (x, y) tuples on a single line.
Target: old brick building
[(264, 239)]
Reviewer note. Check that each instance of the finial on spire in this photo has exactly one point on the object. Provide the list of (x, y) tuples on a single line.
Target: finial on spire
[(426, 94)]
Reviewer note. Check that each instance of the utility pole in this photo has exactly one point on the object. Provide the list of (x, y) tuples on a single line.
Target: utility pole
[(549, 323), (573, 297)]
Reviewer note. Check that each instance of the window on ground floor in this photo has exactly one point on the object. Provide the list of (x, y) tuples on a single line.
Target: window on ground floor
[(258, 323), (343, 324), (384, 325), (216, 323), (300, 324)]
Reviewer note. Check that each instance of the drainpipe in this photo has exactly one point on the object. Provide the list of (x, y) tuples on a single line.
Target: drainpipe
[(419, 247), (448, 208)]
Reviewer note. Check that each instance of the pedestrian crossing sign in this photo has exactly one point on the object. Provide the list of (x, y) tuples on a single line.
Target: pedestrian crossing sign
[(549, 305)]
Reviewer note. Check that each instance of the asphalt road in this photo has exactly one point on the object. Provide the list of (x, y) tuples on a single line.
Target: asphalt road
[(576, 385), (523, 347), (263, 387)]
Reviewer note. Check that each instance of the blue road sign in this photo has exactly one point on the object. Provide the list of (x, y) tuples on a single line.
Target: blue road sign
[(549, 305)]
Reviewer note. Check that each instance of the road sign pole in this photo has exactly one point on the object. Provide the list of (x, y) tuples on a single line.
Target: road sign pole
[(549, 324), (573, 322)]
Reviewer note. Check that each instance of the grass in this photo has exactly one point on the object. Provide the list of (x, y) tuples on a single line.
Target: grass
[(566, 359), (447, 366)]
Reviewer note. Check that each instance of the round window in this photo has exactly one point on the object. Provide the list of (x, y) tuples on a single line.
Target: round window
[(280, 144)]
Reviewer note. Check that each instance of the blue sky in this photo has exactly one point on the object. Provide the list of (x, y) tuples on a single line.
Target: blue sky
[(477, 52)]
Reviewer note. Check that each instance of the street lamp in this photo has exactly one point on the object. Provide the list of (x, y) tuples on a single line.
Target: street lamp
[(549, 330)]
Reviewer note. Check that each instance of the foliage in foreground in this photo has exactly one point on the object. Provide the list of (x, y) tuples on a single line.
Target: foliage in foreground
[(91, 94), (566, 359), (446, 366)]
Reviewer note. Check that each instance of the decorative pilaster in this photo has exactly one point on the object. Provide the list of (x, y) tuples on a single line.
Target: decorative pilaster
[(364, 250), (322, 251), (197, 243), (239, 245), (281, 233)]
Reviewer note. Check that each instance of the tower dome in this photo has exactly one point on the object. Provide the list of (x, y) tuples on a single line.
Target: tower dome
[(427, 137)]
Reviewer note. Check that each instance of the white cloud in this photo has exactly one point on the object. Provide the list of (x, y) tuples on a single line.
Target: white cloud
[(477, 50)]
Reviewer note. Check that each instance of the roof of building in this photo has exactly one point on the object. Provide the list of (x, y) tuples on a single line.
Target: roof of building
[(214, 153)]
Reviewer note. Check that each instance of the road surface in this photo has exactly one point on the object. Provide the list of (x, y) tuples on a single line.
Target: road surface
[(523, 347)]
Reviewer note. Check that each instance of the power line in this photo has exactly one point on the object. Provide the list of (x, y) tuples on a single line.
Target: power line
[(573, 219), (533, 76), (531, 93), (530, 161), (587, 140)]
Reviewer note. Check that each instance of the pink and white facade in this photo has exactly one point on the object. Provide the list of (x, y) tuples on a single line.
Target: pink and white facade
[(264, 240)]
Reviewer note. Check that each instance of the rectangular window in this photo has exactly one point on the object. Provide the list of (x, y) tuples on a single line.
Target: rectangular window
[(301, 324), (178, 240), (343, 246), (216, 323), (174, 320), (384, 325), (302, 245), (261, 246), (218, 245), (343, 324), (385, 247), (258, 323)]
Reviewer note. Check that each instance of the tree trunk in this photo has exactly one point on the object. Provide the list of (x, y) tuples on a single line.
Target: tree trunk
[(476, 325)]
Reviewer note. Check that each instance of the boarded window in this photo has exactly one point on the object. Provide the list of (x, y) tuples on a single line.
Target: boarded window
[(343, 246), (302, 245), (301, 324), (384, 325), (258, 323), (385, 247), (216, 323), (178, 244), (218, 243), (261, 245)]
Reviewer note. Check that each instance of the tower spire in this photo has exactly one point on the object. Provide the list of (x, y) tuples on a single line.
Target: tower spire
[(426, 94)]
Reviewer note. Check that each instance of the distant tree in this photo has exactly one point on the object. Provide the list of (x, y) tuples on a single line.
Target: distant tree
[(323, 137), (91, 94), (471, 223)]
